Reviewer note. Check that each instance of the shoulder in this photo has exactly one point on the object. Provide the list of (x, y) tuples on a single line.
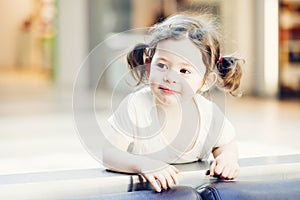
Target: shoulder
[(140, 100), (131, 111), (212, 116), (199, 99), (207, 106), (135, 99), (139, 105), (204, 105)]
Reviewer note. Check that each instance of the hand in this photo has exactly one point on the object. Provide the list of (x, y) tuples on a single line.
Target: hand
[(225, 167), (166, 175)]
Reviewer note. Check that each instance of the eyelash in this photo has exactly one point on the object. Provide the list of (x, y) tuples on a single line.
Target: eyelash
[(188, 72), (164, 66)]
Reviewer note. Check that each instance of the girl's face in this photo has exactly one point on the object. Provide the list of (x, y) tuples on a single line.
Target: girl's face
[(177, 71)]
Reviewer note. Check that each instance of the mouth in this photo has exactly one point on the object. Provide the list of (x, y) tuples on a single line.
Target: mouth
[(167, 90)]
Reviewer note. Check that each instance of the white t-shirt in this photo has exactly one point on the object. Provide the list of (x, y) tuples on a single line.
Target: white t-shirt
[(137, 127)]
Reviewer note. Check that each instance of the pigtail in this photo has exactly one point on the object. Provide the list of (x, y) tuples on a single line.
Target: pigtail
[(136, 63), (229, 73)]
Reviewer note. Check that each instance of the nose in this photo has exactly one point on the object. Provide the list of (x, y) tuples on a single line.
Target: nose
[(170, 77)]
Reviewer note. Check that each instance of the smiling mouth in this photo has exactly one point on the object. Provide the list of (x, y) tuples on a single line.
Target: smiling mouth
[(167, 91)]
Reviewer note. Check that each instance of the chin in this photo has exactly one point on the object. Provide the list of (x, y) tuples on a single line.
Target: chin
[(169, 99)]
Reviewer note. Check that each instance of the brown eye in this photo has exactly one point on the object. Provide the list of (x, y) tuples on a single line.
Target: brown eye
[(162, 66), (184, 71)]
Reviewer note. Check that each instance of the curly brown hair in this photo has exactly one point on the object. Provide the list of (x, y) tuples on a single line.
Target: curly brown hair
[(202, 30)]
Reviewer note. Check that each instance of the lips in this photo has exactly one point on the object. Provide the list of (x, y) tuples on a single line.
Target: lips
[(167, 90)]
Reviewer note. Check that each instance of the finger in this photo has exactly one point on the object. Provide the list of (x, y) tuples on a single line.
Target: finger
[(219, 169), (212, 168), (232, 174), (225, 172), (162, 180), (174, 169), (175, 179), (173, 175), (153, 182), (236, 172), (169, 179)]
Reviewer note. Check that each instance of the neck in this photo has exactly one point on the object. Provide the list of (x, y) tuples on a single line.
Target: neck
[(176, 107)]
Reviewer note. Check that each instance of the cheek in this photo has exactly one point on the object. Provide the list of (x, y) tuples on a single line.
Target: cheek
[(155, 76)]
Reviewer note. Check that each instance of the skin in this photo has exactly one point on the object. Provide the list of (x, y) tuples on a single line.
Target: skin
[(176, 74)]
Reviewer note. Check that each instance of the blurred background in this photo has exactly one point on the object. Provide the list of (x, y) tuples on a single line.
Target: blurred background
[(44, 43)]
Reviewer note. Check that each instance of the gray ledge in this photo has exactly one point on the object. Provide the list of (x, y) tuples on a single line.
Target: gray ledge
[(92, 182)]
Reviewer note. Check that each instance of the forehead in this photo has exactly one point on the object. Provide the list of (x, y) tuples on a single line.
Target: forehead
[(182, 50)]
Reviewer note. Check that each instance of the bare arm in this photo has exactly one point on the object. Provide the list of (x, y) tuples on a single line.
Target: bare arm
[(121, 161), (151, 169), (231, 149), (225, 163)]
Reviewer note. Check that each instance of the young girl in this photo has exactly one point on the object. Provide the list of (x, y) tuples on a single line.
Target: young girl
[(168, 121)]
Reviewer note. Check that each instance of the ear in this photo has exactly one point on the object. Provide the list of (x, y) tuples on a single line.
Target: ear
[(209, 81)]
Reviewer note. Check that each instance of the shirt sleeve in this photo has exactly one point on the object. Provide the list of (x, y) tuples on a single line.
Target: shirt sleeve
[(227, 133), (122, 123), (224, 127), (216, 130), (219, 129)]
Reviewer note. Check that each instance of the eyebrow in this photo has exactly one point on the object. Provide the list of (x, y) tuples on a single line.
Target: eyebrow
[(163, 59), (186, 65)]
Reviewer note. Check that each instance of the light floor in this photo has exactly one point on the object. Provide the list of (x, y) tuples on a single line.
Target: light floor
[(37, 128)]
